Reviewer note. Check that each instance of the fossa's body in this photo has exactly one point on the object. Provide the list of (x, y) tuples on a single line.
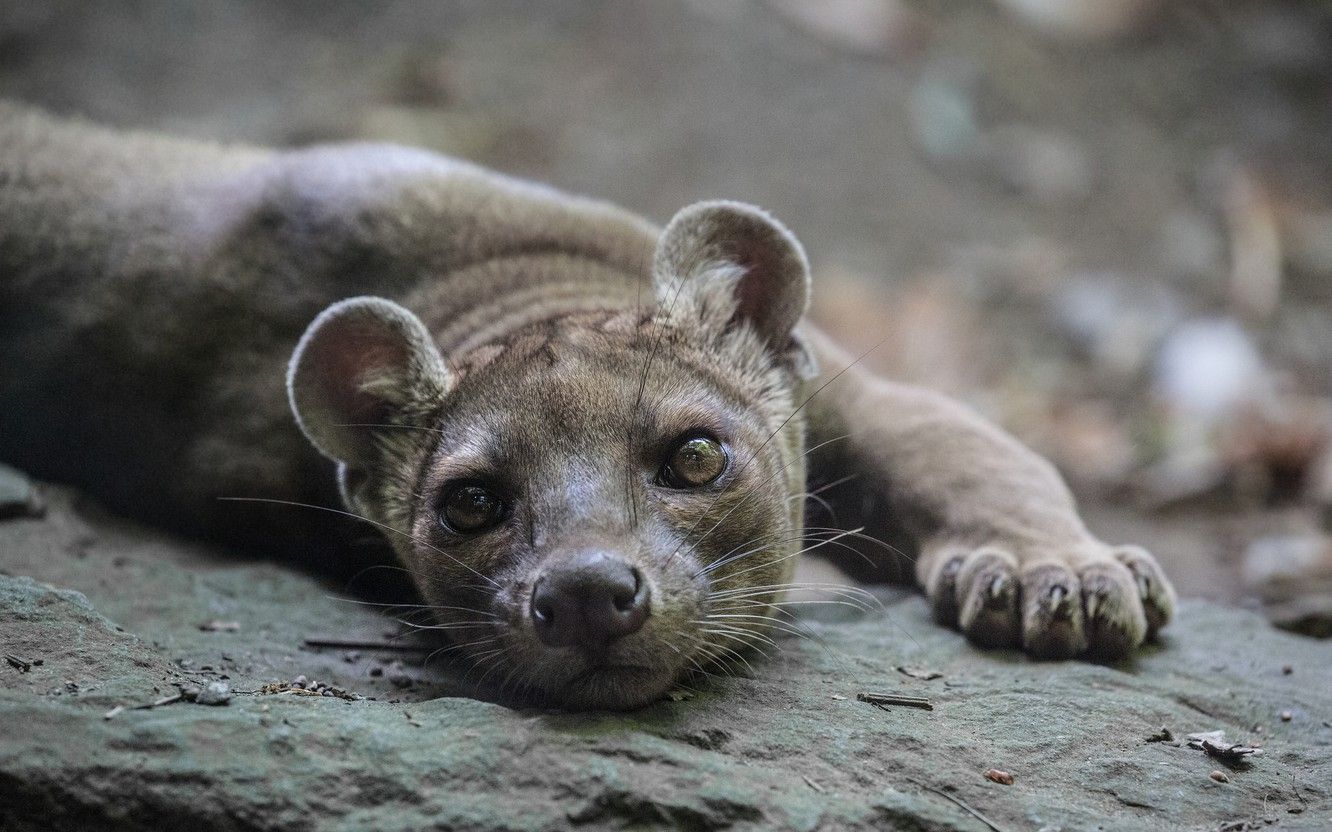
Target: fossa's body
[(587, 438)]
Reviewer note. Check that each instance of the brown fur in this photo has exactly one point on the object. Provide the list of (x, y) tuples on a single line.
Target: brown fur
[(151, 291)]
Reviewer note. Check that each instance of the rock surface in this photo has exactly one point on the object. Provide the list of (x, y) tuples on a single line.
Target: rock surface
[(120, 616)]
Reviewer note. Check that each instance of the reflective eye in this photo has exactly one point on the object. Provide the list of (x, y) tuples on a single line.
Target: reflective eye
[(469, 508), (695, 462)]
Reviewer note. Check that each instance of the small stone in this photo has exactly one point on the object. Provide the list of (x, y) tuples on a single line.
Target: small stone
[(220, 626), (1163, 735), (299, 681), (18, 496), (922, 673), (1220, 776), (994, 775), (1286, 716), (376, 671), (1286, 670), (217, 693)]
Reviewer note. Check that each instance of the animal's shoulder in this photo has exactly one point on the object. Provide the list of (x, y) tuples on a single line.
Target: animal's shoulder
[(458, 212)]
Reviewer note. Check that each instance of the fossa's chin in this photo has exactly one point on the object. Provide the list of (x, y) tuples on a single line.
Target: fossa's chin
[(615, 687)]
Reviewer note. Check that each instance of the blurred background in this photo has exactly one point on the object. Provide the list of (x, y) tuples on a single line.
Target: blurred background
[(1105, 223)]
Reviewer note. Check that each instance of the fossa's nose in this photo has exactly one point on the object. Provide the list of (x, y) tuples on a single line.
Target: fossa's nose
[(588, 601)]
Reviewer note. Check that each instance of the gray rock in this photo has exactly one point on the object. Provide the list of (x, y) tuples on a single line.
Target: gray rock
[(216, 693), (788, 748), (18, 496)]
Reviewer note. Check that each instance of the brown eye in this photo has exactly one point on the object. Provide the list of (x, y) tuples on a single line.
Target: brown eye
[(469, 509), (695, 462)]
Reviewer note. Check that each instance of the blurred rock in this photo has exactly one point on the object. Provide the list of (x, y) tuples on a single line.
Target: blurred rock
[(423, 79), (1292, 574), (1116, 320), (1207, 368), (869, 27), (18, 495), (1192, 478), (943, 112), (1080, 19), (1088, 442), (1048, 167), (1273, 452), (1191, 245), (1255, 246), (1283, 38), (1307, 240), (446, 131)]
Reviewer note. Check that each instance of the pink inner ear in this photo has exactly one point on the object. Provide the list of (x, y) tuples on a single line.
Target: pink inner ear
[(756, 296), (750, 291), (346, 359)]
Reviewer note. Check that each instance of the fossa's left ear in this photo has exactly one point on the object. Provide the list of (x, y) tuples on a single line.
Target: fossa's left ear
[(360, 363), (720, 264)]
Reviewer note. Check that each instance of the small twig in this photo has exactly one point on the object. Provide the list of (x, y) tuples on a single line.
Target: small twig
[(157, 703), (883, 700), (21, 665), (961, 804), (815, 786), (341, 644)]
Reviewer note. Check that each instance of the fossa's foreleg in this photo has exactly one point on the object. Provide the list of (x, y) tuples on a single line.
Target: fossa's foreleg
[(1000, 550)]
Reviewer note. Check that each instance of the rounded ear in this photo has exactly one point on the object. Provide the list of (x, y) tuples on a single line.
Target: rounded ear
[(743, 252), (362, 360)]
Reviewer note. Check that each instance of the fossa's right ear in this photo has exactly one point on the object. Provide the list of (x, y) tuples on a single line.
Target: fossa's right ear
[(361, 364), (723, 264)]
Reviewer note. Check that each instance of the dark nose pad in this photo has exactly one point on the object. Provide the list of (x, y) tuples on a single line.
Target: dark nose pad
[(588, 601)]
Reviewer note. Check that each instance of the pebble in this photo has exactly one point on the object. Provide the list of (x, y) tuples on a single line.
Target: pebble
[(300, 681), (1220, 776), (216, 693), (18, 496), (1207, 367), (1079, 21), (1286, 716)]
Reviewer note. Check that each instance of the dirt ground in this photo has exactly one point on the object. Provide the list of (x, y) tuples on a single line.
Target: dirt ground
[(1119, 245)]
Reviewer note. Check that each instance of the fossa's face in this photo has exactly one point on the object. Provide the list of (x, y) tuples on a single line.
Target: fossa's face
[(606, 509), (603, 502)]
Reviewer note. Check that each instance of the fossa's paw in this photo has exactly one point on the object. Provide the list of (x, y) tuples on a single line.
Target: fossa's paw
[(1091, 599)]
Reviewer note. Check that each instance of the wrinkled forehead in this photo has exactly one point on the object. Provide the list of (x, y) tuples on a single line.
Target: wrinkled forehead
[(592, 398)]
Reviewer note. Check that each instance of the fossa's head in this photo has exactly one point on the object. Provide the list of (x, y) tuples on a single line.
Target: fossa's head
[(603, 502)]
